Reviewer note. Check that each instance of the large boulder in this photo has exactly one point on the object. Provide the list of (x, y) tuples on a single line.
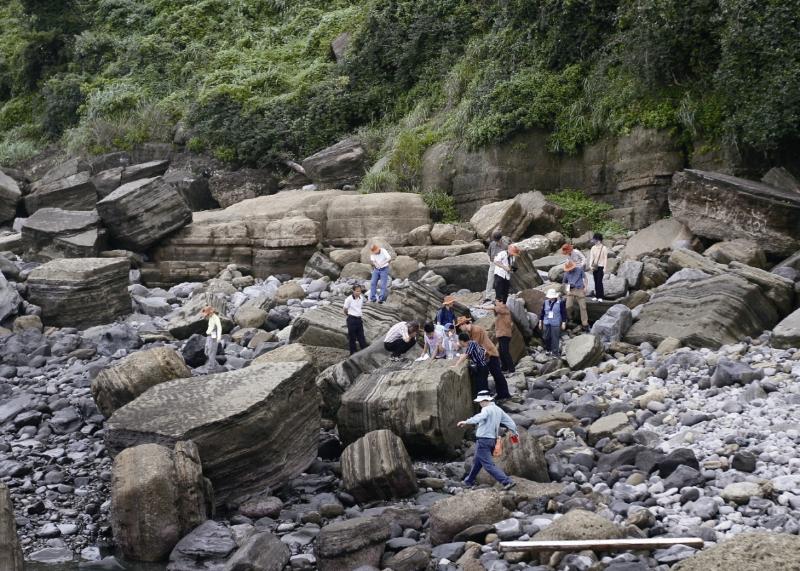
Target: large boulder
[(524, 460), (52, 233), (73, 192), (517, 217), (205, 548), (378, 467), (10, 550), (661, 235), (149, 169), (709, 312), (353, 219), (451, 516), (747, 552), (350, 544), (578, 525), (262, 551), (469, 271), (10, 299), (231, 187), (128, 378), (81, 292), (188, 320), (320, 266), (338, 165), (614, 324), (787, 333), (739, 250), (157, 496), (320, 357), (10, 196), (583, 351), (193, 189), (419, 402), (723, 207), (254, 427), (140, 213)]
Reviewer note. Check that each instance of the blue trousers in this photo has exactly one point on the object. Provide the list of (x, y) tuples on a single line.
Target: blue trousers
[(383, 276), (483, 459)]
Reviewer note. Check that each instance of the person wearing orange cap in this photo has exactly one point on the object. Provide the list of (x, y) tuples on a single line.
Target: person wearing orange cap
[(576, 290), (446, 315), (380, 259), (572, 253), (503, 266), (481, 337)]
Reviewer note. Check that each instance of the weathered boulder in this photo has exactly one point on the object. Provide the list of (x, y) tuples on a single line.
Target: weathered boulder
[(378, 467), (126, 379), (517, 217), (349, 544), (710, 312), (141, 212), (10, 550), (664, 234), (320, 357), (443, 234), (536, 246), (777, 289), (614, 324), (52, 233), (10, 299), (353, 219), (729, 372), (206, 547), (107, 181), (10, 196), (631, 271), (525, 460), (232, 187), (149, 169), (262, 551), (451, 516), (419, 402), (747, 552), (607, 426), (583, 351), (781, 178), (339, 46), (337, 165), (469, 271), (787, 333), (157, 496), (81, 292), (194, 189), (402, 267), (241, 422), (320, 266), (739, 250), (73, 192), (723, 207), (188, 319), (249, 316), (578, 525)]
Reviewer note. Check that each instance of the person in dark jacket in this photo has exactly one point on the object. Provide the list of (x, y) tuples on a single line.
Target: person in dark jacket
[(552, 321), (446, 315)]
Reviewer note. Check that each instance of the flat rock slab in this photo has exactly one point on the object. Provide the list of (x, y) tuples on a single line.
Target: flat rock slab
[(746, 552), (254, 427), (724, 207), (48, 233), (81, 292), (74, 192)]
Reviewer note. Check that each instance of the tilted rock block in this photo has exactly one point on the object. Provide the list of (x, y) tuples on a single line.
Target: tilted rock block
[(337, 165), (140, 213), (254, 427), (52, 233), (74, 192), (150, 169), (378, 467), (81, 292), (349, 544)]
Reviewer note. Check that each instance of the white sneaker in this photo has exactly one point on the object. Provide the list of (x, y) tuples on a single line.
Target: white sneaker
[(594, 299), (600, 299)]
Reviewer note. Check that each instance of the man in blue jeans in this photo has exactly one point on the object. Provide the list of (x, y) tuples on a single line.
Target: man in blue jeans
[(488, 420), (380, 259)]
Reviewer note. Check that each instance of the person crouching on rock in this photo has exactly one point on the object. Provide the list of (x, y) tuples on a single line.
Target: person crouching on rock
[(400, 338), (433, 342), (214, 333), (574, 277), (552, 321), (488, 420), (503, 263), (478, 334), (355, 326), (380, 260)]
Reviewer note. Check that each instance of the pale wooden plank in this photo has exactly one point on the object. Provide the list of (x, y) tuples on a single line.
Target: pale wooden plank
[(645, 544)]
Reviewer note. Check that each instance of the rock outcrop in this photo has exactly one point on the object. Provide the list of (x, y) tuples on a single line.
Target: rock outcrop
[(320, 357), (378, 467), (453, 515), (520, 216), (52, 233), (157, 496), (73, 192), (337, 165), (81, 292), (350, 544), (254, 427), (231, 187), (470, 270), (10, 196), (122, 382), (420, 402), (10, 550), (661, 235), (140, 213), (723, 207)]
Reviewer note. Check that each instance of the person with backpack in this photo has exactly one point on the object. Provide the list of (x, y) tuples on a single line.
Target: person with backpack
[(574, 280), (380, 260), (355, 325), (498, 244), (488, 422), (503, 266), (445, 315), (552, 321), (481, 337), (598, 258)]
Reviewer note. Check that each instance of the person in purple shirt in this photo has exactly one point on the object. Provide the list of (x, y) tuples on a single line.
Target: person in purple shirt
[(574, 282)]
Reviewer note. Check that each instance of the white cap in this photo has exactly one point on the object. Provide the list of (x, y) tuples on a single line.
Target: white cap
[(551, 294), (483, 397)]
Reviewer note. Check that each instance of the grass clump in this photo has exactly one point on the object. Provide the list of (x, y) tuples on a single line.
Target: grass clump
[(577, 206), (441, 205)]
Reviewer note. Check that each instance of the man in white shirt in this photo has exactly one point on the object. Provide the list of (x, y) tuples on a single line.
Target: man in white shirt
[(503, 262), (355, 325), (380, 259), (498, 244), (598, 258), (214, 332), (400, 338)]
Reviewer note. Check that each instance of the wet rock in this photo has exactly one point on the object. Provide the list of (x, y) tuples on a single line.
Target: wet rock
[(348, 544), (378, 467)]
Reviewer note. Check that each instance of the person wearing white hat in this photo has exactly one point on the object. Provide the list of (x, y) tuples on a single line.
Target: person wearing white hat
[(488, 420), (552, 321)]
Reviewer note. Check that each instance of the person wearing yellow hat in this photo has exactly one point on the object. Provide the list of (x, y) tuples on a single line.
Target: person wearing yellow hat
[(380, 260), (503, 266), (574, 282)]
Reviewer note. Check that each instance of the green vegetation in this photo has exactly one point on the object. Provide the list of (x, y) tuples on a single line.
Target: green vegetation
[(577, 206), (441, 205), (254, 81)]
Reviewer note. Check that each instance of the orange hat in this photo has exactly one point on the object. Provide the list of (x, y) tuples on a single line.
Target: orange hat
[(463, 320), (570, 265), (448, 300), (207, 310), (513, 249), (566, 248), (375, 249)]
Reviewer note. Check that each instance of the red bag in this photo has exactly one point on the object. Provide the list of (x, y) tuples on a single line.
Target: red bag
[(498, 447)]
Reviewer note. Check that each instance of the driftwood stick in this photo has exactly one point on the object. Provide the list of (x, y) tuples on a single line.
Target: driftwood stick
[(602, 544)]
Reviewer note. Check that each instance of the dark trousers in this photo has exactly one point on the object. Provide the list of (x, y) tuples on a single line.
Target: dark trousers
[(500, 385), (551, 335), (481, 377), (483, 459), (398, 346), (355, 332), (598, 282), (505, 354), (501, 287)]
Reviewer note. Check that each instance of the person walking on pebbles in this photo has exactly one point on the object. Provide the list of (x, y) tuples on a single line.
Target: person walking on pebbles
[(400, 338), (503, 266), (478, 334), (355, 325), (574, 281), (380, 260), (598, 258), (498, 244), (214, 334), (552, 321), (488, 420)]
